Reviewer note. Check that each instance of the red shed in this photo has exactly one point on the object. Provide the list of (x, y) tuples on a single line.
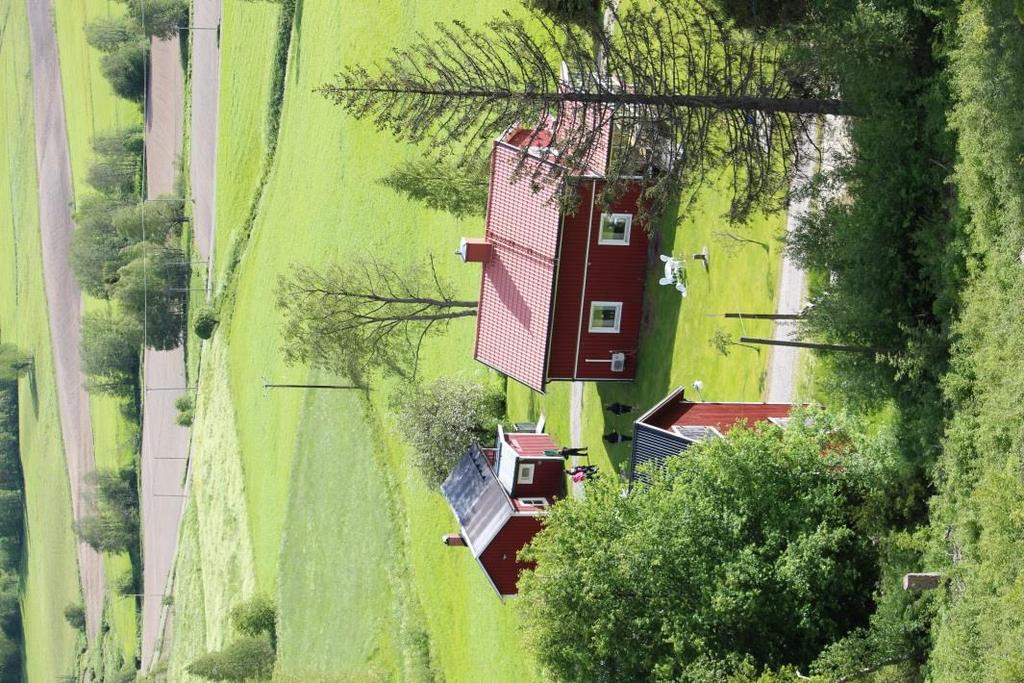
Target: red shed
[(500, 497), (561, 296), (674, 424)]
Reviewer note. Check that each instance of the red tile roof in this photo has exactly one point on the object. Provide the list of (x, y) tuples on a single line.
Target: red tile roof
[(519, 279)]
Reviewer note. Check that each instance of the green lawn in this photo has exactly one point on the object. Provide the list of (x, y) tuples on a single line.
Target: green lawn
[(246, 65), (341, 528), (50, 578), (92, 108)]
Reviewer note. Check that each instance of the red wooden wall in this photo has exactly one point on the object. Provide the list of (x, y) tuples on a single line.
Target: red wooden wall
[(613, 273), (499, 559), (548, 480)]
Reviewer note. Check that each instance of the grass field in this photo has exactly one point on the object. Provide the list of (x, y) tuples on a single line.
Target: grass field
[(244, 88), (92, 108), (342, 529), (50, 577)]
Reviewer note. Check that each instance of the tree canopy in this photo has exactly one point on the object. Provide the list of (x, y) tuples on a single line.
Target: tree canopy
[(690, 95), (440, 420), (754, 548), (368, 314)]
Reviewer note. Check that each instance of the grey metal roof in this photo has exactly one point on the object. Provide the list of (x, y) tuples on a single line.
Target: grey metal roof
[(651, 448), (477, 499)]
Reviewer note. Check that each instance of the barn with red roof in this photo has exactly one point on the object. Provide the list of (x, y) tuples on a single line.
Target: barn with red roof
[(561, 292)]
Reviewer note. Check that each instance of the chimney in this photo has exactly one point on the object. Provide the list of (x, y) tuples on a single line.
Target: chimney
[(453, 540), (474, 249)]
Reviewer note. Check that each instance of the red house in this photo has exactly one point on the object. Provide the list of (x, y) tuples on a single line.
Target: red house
[(561, 295), (675, 424), (499, 497)]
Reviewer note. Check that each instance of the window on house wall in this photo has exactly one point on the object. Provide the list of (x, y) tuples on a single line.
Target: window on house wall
[(535, 502), (605, 316), (615, 228), (525, 474)]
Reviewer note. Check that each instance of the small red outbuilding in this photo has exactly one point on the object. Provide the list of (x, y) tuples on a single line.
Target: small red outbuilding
[(499, 497), (561, 294)]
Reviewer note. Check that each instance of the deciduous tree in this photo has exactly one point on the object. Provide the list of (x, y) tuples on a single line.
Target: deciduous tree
[(111, 344), (756, 547), (440, 420), (367, 314)]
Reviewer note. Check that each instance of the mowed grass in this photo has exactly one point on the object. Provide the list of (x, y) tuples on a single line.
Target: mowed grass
[(91, 109), (50, 576), (246, 53), (215, 563)]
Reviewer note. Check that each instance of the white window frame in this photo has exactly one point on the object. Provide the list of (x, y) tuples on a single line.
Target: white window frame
[(617, 305), (524, 472), (610, 217), (536, 502)]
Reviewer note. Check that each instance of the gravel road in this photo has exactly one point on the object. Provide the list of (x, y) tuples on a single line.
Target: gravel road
[(64, 299)]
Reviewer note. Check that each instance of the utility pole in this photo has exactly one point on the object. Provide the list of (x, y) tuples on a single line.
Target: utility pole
[(764, 316), (809, 345)]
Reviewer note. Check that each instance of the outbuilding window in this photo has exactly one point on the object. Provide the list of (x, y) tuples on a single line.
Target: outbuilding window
[(525, 475), (535, 502), (615, 228), (605, 316)]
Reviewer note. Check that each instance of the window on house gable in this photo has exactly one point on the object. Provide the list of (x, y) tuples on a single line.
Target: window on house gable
[(615, 228), (525, 475), (605, 316), (535, 502)]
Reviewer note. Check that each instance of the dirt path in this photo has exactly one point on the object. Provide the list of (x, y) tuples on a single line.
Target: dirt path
[(64, 299), (784, 362), (164, 442)]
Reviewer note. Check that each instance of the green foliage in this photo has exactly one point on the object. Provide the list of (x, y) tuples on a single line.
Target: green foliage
[(586, 13), (124, 583), (125, 68), (186, 410), (109, 531), (161, 219), (158, 18), (107, 34), (442, 419), (756, 14), (150, 287), (443, 184), (11, 515), (110, 347), (282, 46), (13, 362), (96, 245), (757, 547), (244, 659), (205, 322), (75, 616), (977, 518), (255, 617), (117, 169)]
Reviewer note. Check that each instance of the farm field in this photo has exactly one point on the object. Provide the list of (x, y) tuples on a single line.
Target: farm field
[(93, 108), (340, 525), (50, 575)]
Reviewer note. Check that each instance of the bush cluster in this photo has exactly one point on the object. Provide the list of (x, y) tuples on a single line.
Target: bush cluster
[(114, 526), (585, 13), (250, 657)]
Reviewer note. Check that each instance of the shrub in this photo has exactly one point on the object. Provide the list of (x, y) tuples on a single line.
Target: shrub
[(442, 419), (581, 12), (764, 13), (256, 616), (205, 322), (245, 658), (13, 362), (107, 34), (124, 583), (125, 68), (75, 615), (110, 531)]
